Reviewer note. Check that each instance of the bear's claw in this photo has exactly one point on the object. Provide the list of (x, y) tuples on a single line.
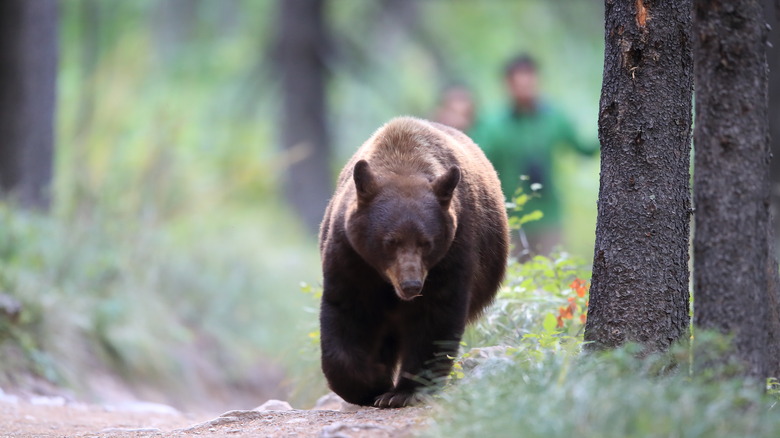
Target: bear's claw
[(396, 400)]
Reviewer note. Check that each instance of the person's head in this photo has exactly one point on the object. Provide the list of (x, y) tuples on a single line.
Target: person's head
[(456, 107), (522, 81)]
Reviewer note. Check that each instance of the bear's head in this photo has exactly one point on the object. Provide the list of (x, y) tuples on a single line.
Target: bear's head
[(402, 225)]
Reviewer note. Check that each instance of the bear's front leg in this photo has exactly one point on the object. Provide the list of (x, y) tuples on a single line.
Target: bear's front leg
[(429, 344), (357, 359)]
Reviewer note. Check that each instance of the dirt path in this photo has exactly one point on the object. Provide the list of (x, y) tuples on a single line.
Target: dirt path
[(54, 417)]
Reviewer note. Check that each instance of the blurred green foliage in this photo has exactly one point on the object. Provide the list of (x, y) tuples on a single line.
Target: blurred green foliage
[(117, 296), (169, 246)]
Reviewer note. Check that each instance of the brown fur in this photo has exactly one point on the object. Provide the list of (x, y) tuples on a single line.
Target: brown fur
[(414, 245)]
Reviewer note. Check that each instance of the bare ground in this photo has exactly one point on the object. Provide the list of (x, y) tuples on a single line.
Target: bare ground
[(56, 417)]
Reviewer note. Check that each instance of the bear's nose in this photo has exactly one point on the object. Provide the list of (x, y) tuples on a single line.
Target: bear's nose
[(411, 288)]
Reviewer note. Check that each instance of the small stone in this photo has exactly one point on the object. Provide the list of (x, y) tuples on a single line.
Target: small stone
[(226, 418), (10, 307), (8, 398), (329, 402), (349, 407), (243, 415), (143, 407), (332, 402), (47, 401), (274, 405)]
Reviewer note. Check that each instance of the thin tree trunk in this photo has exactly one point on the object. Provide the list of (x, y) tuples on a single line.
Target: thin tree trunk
[(639, 290), (28, 74), (300, 56), (731, 180)]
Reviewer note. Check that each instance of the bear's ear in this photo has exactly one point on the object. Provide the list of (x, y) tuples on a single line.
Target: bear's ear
[(444, 185), (365, 183)]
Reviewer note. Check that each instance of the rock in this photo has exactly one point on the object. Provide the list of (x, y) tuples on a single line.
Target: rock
[(479, 355), (8, 398), (487, 360), (274, 405), (242, 415), (349, 407), (332, 402), (143, 407), (42, 400), (226, 418), (10, 307), (328, 402)]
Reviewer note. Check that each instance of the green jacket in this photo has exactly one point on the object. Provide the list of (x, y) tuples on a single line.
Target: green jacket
[(524, 144)]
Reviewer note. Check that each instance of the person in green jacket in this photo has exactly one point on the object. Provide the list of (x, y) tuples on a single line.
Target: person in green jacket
[(521, 140)]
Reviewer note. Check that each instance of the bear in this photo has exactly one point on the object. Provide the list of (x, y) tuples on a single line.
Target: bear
[(414, 245)]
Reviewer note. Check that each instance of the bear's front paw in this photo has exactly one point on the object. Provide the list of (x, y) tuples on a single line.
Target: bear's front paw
[(397, 399)]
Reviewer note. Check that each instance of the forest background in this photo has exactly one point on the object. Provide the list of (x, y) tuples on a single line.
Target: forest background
[(170, 249), (170, 263)]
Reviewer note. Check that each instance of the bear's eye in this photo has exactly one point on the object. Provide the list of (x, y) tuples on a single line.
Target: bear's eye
[(425, 245), (391, 242)]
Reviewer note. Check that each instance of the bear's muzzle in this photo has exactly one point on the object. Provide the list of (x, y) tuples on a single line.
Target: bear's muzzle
[(411, 288), (407, 275)]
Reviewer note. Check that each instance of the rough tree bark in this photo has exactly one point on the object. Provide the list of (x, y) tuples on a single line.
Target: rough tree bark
[(772, 15), (301, 43), (639, 290), (28, 74), (732, 284)]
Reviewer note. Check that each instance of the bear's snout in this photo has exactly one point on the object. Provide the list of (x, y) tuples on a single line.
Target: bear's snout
[(411, 288), (407, 274)]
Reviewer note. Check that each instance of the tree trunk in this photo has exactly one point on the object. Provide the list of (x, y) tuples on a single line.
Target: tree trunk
[(772, 15), (300, 57), (731, 179), (639, 290), (28, 74), (773, 303)]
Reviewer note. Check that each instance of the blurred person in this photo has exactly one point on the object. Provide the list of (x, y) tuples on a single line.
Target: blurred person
[(521, 139), (456, 108)]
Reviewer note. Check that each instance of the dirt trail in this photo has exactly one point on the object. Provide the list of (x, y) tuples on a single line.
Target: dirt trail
[(54, 417)]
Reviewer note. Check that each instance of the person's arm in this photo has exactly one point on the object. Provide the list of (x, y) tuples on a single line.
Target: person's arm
[(569, 135)]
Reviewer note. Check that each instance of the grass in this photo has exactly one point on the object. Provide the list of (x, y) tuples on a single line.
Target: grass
[(615, 395), (539, 383)]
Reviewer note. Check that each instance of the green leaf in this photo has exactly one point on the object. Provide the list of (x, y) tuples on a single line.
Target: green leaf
[(532, 216), (550, 323)]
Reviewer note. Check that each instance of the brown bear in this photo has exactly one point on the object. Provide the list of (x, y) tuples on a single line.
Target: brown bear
[(414, 245)]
